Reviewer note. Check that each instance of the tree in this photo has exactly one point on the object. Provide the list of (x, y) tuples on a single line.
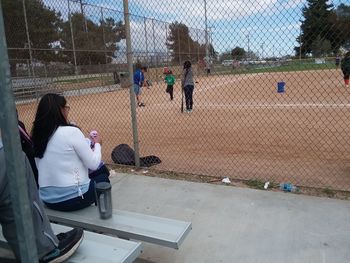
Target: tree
[(92, 41), (251, 55), (182, 46), (321, 47), (43, 26), (342, 25), (317, 23), (238, 53), (227, 55)]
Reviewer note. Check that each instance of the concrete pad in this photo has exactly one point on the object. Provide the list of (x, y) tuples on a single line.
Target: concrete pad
[(232, 224)]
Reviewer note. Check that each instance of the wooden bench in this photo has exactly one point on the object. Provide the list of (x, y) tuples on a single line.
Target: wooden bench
[(98, 248), (161, 231)]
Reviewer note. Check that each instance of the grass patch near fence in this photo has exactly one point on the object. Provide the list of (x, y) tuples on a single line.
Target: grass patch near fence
[(329, 192), (82, 80), (257, 184), (273, 68)]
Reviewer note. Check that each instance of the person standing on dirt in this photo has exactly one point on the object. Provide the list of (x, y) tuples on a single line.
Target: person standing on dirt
[(337, 61), (139, 81), (188, 85), (170, 81), (207, 66), (345, 67)]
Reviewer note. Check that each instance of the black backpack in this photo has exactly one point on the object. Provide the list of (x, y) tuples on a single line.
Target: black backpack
[(124, 154)]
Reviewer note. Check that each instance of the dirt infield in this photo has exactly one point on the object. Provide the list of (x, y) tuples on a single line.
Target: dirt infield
[(241, 127)]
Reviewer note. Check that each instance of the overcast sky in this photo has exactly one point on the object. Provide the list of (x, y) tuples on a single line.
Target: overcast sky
[(266, 27)]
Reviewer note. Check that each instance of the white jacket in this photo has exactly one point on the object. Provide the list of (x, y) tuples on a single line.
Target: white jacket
[(67, 159)]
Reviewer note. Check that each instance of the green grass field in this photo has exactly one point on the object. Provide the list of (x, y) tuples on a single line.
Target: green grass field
[(289, 66)]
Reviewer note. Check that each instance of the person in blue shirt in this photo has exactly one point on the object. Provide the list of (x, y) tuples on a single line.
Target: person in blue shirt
[(139, 81)]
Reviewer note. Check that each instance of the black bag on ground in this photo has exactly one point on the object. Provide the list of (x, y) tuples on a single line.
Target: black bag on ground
[(124, 154)]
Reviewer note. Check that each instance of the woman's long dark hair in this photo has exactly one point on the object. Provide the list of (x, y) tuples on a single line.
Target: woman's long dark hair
[(47, 119)]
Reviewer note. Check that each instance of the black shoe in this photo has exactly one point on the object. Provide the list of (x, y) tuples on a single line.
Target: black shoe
[(142, 104), (68, 244)]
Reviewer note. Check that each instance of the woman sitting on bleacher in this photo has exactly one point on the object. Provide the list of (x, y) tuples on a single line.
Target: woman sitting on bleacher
[(63, 157)]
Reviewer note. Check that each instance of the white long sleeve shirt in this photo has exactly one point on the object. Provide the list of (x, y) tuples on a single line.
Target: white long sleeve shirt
[(65, 164)]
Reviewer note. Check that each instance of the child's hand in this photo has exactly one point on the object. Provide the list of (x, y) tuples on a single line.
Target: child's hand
[(95, 137), (98, 139)]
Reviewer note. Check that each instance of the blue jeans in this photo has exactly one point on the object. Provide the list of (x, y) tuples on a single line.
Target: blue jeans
[(189, 96), (137, 89), (79, 202)]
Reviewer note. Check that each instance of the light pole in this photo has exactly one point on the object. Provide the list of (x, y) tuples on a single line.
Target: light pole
[(155, 55), (72, 37), (28, 39), (103, 34), (82, 13), (300, 45), (262, 50), (206, 30), (146, 39), (248, 45)]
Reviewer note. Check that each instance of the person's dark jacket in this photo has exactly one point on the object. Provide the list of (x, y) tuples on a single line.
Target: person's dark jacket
[(345, 65), (27, 147)]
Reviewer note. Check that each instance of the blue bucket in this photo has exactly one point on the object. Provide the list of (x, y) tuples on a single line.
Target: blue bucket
[(280, 86)]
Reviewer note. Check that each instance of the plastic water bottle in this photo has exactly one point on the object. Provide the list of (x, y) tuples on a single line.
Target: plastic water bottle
[(288, 187), (104, 199)]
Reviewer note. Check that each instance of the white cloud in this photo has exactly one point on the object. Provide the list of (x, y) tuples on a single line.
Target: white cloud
[(188, 9), (231, 20), (286, 28)]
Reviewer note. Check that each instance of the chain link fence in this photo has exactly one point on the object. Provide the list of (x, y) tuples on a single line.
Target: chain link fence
[(270, 102)]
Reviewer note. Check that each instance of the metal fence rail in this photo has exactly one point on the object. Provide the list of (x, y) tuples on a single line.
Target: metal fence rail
[(270, 102)]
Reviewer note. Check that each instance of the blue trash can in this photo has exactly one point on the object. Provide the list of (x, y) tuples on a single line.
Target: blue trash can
[(280, 86)]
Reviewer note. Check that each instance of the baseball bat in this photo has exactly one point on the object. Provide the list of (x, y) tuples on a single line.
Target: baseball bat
[(182, 99)]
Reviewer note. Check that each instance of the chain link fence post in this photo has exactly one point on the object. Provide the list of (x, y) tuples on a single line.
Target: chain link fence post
[(131, 81), (146, 37), (72, 37)]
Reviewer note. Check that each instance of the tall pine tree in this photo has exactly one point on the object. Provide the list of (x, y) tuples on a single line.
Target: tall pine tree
[(181, 45), (95, 43), (342, 26), (316, 26), (43, 26)]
